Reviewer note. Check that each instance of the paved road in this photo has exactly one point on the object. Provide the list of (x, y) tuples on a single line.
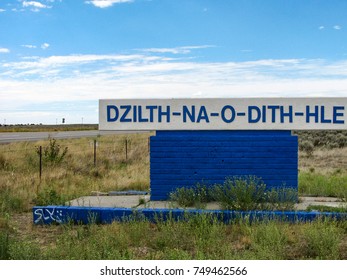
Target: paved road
[(8, 137)]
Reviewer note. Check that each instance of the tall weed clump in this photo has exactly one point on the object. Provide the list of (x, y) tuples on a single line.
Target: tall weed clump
[(9, 201), (240, 193), (280, 199), (237, 193), (334, 184), (268, 240), (322, 239), (197, 195), (50, 196), (53, 153)]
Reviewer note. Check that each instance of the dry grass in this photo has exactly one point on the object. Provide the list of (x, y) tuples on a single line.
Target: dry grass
[(76, 175), (324, 161), (44, 128)]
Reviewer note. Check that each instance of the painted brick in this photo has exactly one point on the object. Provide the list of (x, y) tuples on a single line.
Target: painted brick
[(86, 215), (184, 158)]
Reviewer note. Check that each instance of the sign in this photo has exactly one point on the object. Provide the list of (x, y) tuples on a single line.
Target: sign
[(223, 114)]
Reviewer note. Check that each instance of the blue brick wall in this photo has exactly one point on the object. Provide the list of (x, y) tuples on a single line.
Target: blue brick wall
[(184, 158)]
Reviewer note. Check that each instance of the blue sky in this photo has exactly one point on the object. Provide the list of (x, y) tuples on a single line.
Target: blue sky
[(58, 57)]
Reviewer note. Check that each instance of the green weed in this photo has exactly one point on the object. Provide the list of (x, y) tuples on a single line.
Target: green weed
[(49, 196), (323, 185), (324, 208), (194, 237), (280, 199), (240, 193), (268, 240), (24, 250), (4, 245), (197, 196), (322, 239), (9, 201), (237, 193), (53, 153)]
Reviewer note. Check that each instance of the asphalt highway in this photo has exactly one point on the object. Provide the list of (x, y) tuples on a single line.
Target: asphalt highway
[(8, 137)]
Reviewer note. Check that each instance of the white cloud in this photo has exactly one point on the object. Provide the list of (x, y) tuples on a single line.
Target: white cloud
[(29, 46), (39, 82), (168, 50), (321, 27), (337, 27), (107, 3), (40, 65), (45, 46), (177, 50), (4, 50), (35, 6), (2, 10)]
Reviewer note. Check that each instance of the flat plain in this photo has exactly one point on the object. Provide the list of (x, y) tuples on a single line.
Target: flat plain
[(121, 162)]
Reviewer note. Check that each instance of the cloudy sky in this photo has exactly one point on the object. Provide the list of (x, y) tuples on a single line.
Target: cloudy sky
[(59, 57)]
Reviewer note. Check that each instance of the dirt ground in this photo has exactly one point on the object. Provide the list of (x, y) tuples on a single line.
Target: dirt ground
[(324, 161)]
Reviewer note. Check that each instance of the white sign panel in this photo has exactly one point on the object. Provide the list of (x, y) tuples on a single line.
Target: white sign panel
[(223, 114)]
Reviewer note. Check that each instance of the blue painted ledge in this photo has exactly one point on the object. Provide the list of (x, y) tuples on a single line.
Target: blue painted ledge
[(85, 215)]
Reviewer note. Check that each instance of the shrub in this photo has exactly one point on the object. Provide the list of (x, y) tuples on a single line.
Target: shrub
[(240, 193), (237, 193), (282, 198), (341, 141), (184, 196), (53, 153), (191, 196), (307, 147), (49, 196), (322, 139)]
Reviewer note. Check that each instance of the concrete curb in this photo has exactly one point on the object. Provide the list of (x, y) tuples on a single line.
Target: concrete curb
[(101, 215)]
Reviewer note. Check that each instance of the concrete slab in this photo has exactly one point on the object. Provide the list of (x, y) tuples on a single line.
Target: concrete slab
[(174, 205), (124, 201), (304, 202), (143, 202)]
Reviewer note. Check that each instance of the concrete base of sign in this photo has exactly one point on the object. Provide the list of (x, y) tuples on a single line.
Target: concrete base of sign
[(106, 209), (143, 201)]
